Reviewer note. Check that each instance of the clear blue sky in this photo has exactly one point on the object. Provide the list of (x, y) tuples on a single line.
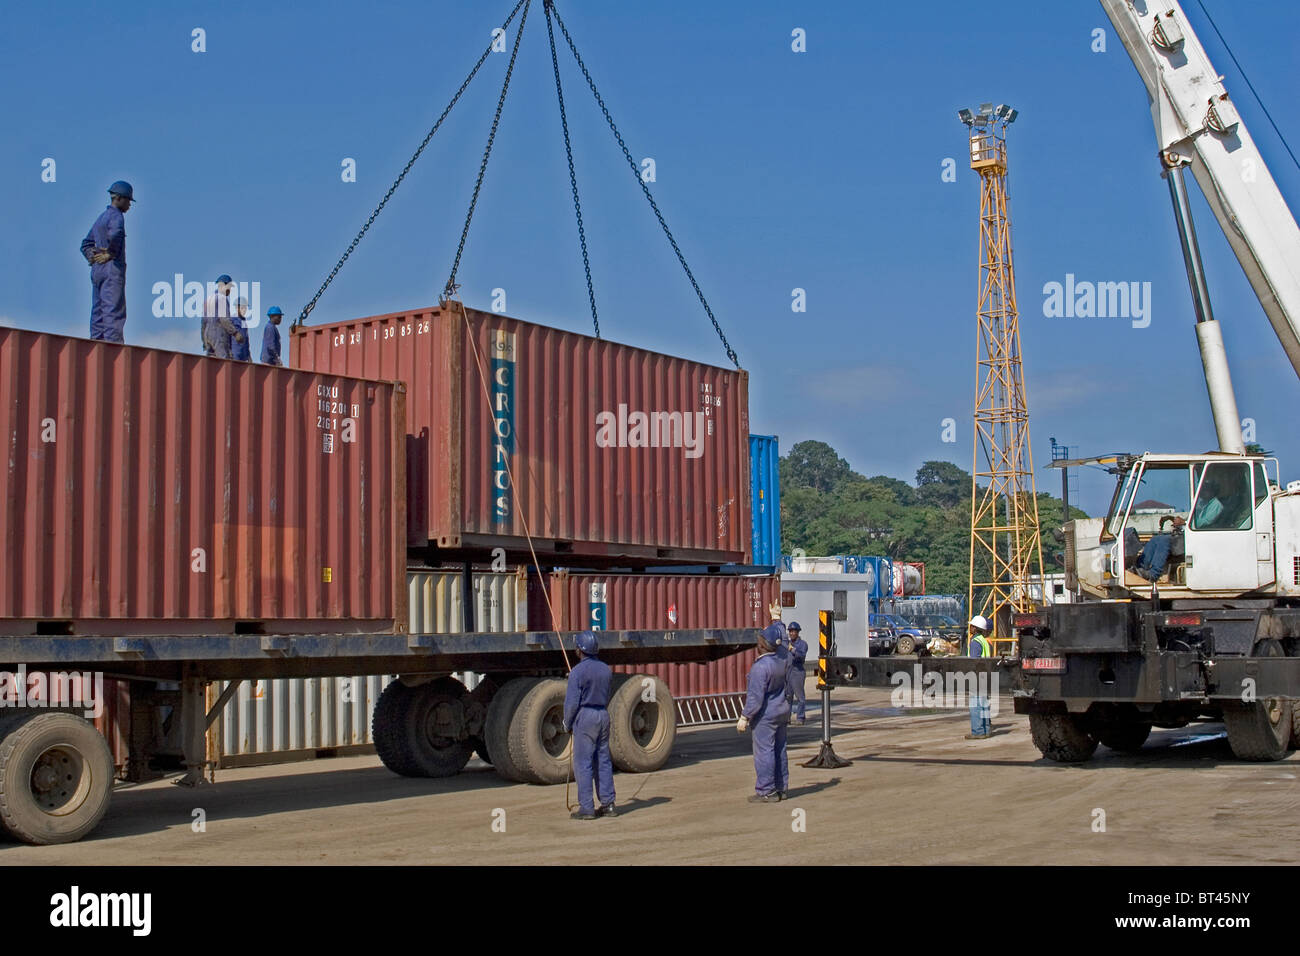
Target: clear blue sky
[(776, 170)]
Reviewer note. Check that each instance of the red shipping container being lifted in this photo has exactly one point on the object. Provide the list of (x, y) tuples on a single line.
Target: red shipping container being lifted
[(617, 602), (594, 448), (150, 491)]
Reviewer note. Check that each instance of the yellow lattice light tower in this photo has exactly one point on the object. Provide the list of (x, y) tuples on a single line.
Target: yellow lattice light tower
[(1005, 550)]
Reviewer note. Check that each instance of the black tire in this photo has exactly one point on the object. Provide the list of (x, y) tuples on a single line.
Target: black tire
[(1124, 736), (641, 732), (56, 777), (1061, 737), (539, 745), (496, 734), (905, 645), (1262, 729), (420, 731)]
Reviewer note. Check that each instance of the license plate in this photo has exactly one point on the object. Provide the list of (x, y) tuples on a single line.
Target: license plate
[(1044, 665)]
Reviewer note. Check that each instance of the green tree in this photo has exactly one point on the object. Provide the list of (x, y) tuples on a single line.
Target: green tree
[(943, 484), (813, 464)]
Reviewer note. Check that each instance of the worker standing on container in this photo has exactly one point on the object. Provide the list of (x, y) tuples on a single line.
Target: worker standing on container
[(218, 327), (767, 708), (271, 337), (977, 645), (105, 249), (240, 349), (588, 720), (798, 654)]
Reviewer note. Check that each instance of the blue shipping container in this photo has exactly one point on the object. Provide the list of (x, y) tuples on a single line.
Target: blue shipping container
[(765, 498)]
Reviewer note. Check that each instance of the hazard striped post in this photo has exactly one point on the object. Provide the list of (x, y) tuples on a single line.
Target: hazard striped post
[(826, 757)]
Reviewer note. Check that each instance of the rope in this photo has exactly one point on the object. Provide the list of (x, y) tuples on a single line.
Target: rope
[(523, 518)]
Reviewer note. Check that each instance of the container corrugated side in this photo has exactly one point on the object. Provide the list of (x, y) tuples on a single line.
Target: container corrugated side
[(289, 718), (648, 601), (146, 489), (765, 499), (602, 449)]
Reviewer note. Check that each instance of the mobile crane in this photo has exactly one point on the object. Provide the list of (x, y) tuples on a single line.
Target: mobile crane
[(1216, 634)]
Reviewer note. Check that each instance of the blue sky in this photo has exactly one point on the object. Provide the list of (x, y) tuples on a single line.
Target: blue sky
[(776, 170)]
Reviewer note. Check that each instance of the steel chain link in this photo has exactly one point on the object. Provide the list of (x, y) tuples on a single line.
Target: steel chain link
[(302, 316)]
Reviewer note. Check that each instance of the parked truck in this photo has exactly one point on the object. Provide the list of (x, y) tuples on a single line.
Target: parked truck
[(1189, 587), (175, 521)]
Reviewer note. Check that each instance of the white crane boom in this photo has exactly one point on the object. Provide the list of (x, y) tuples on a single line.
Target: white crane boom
[(1197, 125)]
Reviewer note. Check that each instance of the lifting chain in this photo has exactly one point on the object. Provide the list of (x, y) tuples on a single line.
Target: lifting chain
[(573, 177), (302, 316), (636, 171), (449, 290)]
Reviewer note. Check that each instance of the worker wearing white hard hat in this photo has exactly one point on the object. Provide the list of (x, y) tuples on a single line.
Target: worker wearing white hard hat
[(977, 645)]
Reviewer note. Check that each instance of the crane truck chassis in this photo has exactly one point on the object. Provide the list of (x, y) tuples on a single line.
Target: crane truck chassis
[(57, 774), (1107, 672)]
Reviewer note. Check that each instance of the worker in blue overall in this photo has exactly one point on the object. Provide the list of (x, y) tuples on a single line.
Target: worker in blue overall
[(977, 645), (218, 326), (241, 349), (271, 337), (767, 708), (105, 249), (588, 720), (798, 654)]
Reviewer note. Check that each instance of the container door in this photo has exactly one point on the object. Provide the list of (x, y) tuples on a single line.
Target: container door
[(1220, 535)]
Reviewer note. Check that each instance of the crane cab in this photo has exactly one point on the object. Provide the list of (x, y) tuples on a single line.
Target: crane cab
[(1194, 525)]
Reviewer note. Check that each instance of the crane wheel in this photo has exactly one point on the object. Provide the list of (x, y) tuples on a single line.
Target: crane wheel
[(1061, 737), (1261, 730)]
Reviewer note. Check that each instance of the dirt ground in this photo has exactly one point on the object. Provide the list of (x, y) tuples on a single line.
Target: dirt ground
[(916, 792)]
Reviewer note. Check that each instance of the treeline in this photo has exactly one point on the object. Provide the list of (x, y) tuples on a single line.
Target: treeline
[(828, 508)]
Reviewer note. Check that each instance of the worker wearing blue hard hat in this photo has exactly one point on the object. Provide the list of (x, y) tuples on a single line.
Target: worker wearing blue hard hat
[(586, 717), (798, 655), (271, 337), (767, 709), (104, 248), (219, 328)]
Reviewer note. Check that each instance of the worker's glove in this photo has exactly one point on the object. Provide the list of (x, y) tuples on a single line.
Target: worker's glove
[(100, 257), (742, 725), (239, 336)]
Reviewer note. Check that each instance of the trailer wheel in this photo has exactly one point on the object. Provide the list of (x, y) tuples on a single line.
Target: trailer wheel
[(476, 710), (496, 736), (1061, 737), (56, 777), (1124, 736), (1261, 730), (420, 731), (641, 732), (539, 744)]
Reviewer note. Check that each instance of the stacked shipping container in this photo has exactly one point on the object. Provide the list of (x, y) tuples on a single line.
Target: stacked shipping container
[(149, 489), (619, 602), (592, 448), (279, 719)]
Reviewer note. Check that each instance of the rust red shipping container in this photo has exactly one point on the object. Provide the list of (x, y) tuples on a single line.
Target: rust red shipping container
[(647, 601), (602, 449), (144, 489)]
